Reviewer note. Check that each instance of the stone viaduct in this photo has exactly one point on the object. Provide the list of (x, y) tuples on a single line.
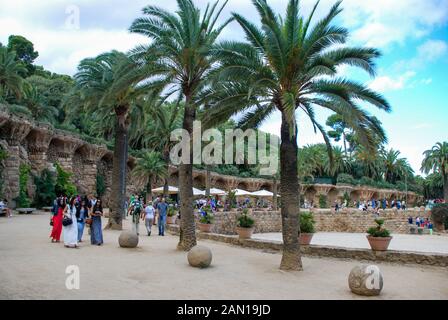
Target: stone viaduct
[(40, 146)]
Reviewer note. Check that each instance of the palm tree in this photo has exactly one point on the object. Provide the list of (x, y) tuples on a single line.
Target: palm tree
[(340, 163), (36, 104), (10, 69), (110, 83), (289, 65), (436, 160), (181, 59), (165, 119), (150, 167), (395, 168)]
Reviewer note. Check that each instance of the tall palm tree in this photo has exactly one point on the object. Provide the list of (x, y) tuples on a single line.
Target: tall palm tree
[(340, 163), (395, 168), (436, 160), (10, 69), (181, 59), (150, 167), (111, 83), (289, 65)]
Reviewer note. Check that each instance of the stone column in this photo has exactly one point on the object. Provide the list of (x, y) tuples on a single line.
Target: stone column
[(38, 143), (14, 131), (65, 151)]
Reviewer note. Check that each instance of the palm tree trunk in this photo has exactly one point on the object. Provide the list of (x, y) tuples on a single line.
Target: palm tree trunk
[(445, 187), (290, 206), (166, 158), (119, 172), (207, 181), (187, 239), (274, 191)]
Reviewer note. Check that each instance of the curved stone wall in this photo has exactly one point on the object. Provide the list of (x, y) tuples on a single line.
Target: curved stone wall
[(40, 146)]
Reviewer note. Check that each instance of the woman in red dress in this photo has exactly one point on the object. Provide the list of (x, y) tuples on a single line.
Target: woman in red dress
[(57, 221)]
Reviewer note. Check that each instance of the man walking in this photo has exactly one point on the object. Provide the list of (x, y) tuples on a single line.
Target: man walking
[(162, 208), (136, 209), (149, 217)]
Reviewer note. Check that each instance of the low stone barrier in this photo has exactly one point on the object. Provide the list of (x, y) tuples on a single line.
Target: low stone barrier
[(392, 256)]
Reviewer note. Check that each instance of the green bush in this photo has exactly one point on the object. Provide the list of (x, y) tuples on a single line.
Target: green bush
[(379, 231), (100, 185), (366, 181), (171, 211), (307, 222), (63, 184), (346, 179), (323, 201), (244, 221), (208, 218), (22, 200), (439, 214), (45, 186)]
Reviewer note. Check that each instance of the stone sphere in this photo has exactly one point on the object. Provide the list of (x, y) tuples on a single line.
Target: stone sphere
[(200, 257), (366, 280), (128, 239)]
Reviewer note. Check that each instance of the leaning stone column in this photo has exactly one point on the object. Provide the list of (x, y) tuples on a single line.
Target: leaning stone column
[(38, 143), (14, 131)]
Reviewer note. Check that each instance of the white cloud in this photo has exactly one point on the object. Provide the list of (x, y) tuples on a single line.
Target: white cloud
[(386, 83), (432, 50)]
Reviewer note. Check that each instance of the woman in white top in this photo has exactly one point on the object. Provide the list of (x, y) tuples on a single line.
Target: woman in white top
[(71, 231), (149, 217)]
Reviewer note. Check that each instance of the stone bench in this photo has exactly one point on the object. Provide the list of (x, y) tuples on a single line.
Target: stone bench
[(26, 210)]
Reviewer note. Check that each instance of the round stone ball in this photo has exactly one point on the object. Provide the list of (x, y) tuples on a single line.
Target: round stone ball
[(128, 239), (366, 280), (200, 257)]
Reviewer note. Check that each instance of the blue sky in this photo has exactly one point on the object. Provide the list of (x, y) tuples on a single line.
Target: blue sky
[(412, 35)]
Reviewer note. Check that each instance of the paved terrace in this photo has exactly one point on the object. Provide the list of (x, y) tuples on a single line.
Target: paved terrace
[(400, 242)]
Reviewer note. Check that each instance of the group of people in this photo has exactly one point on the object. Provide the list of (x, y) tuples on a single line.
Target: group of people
[(421, 222), (139, 210), (71, 215), (4, 207)]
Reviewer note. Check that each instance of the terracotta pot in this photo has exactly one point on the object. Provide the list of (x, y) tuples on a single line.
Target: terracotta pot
[(305, 239), (171, 220), (379, 243), (245, 233), (205, 227)]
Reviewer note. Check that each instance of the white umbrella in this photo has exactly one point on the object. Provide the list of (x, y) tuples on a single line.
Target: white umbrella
[(198, 192), (241, 192), (263, 193), (171, 190), (217, 192)]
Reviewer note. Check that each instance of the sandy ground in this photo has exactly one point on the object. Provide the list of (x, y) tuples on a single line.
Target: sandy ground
[(33, 268), (401, 242)]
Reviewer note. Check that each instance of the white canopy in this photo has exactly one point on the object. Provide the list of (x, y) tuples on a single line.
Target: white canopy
[(241, 192), (171, 190), (263, 193), (198, 192), (217, 192)]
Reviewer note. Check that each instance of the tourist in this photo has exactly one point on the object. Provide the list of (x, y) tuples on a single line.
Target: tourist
[(410, 220), (136, 209), (162, 208), (403, 205), (71, 230), (149, 217), (4, 207), (57, 220), (96, 234), (417, 221), (384, 204), (81, 216)]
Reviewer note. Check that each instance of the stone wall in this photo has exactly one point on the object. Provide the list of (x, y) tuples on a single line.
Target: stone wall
[(40, 146), (326, 221)]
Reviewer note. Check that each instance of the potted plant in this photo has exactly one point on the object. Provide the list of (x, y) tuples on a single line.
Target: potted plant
[(245, 225), (206, 221), (171, 215), (379, 237), (307, 229)]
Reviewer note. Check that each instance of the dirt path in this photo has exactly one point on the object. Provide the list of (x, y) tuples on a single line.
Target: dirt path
[(33, 268)]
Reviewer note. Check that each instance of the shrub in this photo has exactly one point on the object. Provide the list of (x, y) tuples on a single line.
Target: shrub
[(346, 179), (63, 184), (244, 221), (366, 181), (171, 211), (323, 201), (379, 231), (307, 222), (100, 185), (22, 200), (439, 214), (45, 186), (207, 217)]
